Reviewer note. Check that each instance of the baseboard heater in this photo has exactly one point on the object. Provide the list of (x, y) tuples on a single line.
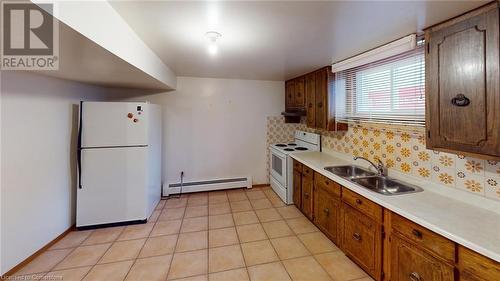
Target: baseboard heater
[(207, 185)]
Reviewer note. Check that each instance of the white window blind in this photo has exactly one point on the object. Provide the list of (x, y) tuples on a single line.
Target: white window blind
[(391, 90)]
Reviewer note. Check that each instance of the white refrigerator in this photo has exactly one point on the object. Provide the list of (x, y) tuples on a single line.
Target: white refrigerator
[(119, 163)]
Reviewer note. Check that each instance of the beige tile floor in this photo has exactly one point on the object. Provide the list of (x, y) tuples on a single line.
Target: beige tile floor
[(242, 234)]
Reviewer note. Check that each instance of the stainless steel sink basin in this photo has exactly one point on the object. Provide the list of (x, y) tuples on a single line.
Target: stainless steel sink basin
[(387, 186), (349, 171)]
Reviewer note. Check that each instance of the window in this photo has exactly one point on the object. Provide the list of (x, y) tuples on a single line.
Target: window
[(388, 91)]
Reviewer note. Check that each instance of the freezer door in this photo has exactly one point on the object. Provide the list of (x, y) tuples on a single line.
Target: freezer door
[(113, 186), (106, 124)]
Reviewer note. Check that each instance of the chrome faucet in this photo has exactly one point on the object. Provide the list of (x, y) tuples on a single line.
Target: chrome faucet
[(381, 169)]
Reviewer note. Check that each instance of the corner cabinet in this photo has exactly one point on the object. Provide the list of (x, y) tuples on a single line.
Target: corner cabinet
[(463, 84)]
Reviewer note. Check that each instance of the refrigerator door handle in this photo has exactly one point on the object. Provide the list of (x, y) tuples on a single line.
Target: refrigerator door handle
[(79, 148)]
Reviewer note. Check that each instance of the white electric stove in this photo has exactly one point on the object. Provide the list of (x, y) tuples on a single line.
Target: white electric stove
[(281, 164)]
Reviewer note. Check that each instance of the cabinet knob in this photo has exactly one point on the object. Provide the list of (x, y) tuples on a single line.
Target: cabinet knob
[(306, 195), (359, 202), (320, 104), (417, 233), (327, 183), (310, 105), (327, 212), (460, 100), (356, 236), (414, 276)]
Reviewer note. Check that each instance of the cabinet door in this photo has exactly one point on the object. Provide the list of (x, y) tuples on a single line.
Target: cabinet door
[(307, 195), (299, 92), (462, 85), (297, 188), (408, 262), (289, 94), (362, 241), (311, 100), (326, 212), (321, 99)]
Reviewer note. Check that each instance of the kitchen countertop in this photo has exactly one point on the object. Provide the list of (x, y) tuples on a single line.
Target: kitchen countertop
[(466, 224)]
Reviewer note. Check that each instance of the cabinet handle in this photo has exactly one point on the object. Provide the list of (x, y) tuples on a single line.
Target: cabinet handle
[(417, 233), (327, 212), (460, 100), (415, 276), (356, 236), (359, 202)]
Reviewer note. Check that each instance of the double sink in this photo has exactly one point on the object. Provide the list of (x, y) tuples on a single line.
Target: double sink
[(372, 181)]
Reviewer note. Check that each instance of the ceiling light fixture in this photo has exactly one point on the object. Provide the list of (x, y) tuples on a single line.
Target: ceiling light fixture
[(212, 41)]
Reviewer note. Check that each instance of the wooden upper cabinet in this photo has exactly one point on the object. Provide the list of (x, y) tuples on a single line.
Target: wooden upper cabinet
[(321, 98), (310, 89), (314, 93), (300, 100), (289, 92), (295, 94), (463, 83)]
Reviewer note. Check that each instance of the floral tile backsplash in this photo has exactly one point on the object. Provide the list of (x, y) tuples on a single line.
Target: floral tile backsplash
[(404, 151)]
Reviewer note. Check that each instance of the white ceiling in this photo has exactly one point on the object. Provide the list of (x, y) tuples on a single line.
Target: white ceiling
[(275, 40)]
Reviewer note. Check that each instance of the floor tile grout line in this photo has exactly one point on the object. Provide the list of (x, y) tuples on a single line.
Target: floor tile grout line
[(239, 243), (175, 246), (139, 252), (52, 268)]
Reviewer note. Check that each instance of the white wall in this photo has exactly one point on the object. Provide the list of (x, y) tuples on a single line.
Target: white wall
[(216, 128), (38, 141)]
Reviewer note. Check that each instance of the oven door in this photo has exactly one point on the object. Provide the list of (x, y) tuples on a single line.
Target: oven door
[(278, 167)]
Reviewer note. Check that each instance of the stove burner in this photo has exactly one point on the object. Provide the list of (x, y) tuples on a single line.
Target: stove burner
[(280, 145), (300, 148), (292, 144), (288, 149)]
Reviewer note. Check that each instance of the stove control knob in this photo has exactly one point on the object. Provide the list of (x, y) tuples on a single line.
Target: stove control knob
[(136, 120), (130, 115)]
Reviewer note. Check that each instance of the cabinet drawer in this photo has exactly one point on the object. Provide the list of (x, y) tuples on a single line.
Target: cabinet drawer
[(424, 238), (307, 172), (297, 166), (326, 183), (472, 263), (362, 204)]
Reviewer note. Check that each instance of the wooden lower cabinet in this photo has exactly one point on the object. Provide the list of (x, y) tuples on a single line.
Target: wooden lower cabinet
[(409, 262), (307, 193), (297, 188), (475, 267), (326, 209), (362, 241), (410, 252)]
